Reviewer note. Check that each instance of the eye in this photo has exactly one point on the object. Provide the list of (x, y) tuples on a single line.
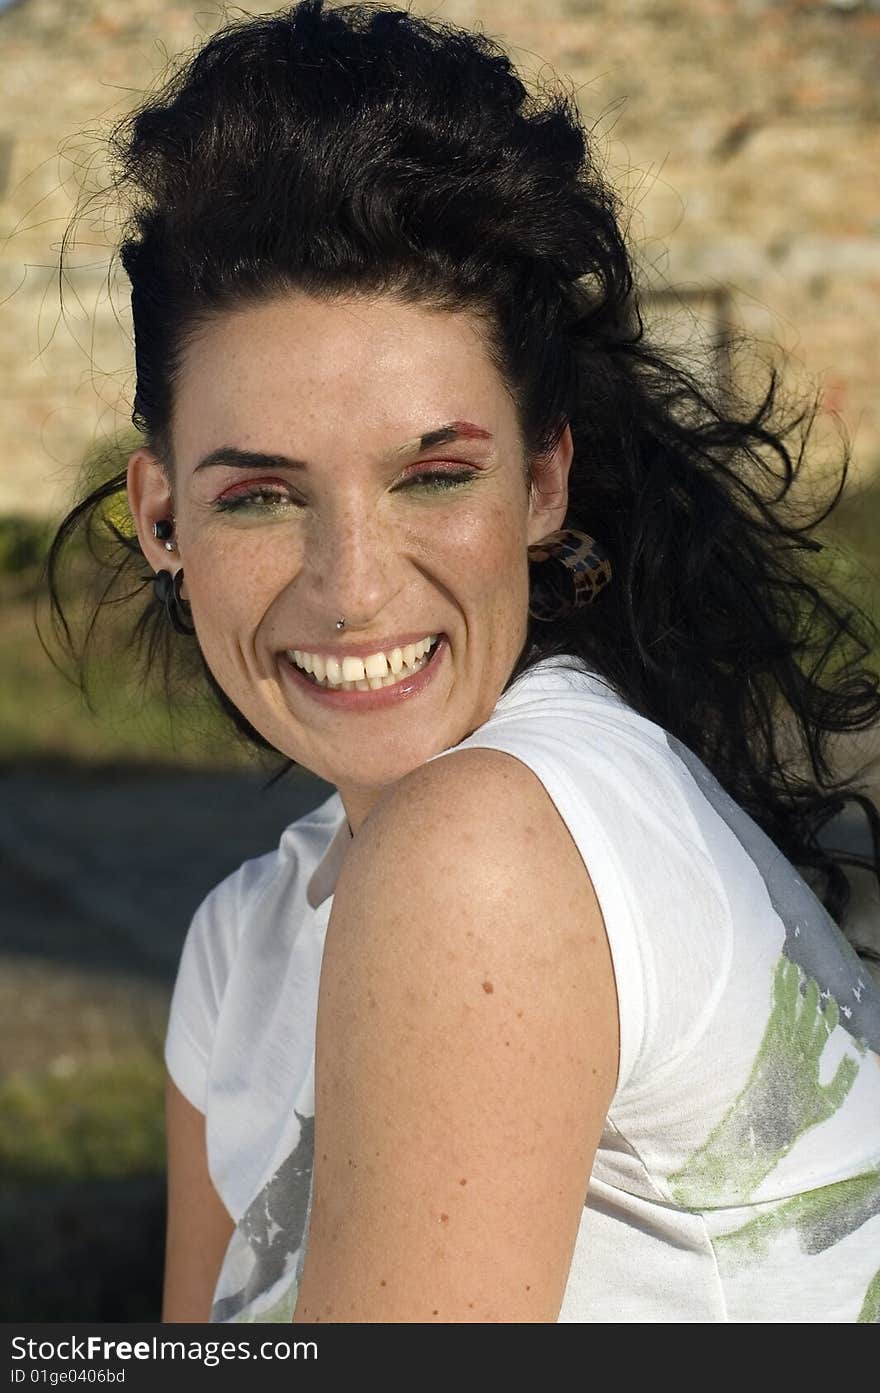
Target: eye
[(262, 497), (440, 478)]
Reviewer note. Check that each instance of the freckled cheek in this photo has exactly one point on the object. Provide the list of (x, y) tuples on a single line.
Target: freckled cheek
[(231, 588), (484, 551)]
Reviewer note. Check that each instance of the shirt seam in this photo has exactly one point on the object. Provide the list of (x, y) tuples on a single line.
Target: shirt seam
[(669, 1203)]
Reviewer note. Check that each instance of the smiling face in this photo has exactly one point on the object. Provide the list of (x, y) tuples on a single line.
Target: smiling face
[(357, 459)]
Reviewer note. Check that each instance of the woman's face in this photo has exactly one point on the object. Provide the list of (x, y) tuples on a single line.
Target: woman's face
[(315, 479)]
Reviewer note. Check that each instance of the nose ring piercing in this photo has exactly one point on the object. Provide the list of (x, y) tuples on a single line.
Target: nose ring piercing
[(340, 623)]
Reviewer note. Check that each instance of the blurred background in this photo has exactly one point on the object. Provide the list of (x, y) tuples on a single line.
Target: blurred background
[(744, 137)]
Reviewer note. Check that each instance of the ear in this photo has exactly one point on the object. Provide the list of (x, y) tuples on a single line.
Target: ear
[(149, 499), (548, 494)]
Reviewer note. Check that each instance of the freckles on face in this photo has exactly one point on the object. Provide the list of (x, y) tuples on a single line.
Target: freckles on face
[(315, 500), (487, 565), (234, 578)]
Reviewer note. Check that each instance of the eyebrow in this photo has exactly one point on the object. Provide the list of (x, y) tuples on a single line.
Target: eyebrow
[(256, 459)]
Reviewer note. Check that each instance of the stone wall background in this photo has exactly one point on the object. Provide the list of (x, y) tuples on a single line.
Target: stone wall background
[(744, 135)]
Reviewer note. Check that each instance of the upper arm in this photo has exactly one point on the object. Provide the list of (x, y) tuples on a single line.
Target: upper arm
[(467, 1052), (199, 1226)]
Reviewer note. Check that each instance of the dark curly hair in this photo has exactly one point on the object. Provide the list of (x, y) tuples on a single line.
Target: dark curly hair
[(362, 149)]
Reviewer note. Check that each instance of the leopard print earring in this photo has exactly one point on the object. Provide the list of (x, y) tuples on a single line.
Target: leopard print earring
[(570, 569)]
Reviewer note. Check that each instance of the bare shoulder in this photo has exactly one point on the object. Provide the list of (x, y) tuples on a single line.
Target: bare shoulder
[(481, 821), (466, 1054)]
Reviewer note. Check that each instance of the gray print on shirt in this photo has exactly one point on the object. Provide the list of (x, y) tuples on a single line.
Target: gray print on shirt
[(273, 1224), (812, 939)]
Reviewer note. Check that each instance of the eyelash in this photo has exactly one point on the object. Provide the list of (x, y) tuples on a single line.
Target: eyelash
[(433, 479), (229, 502)]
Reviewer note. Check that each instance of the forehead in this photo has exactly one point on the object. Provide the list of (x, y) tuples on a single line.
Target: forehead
[(316, 372)]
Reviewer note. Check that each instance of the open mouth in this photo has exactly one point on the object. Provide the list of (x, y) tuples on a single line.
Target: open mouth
[(409, 661)]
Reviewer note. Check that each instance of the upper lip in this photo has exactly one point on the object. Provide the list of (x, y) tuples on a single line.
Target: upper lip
[(364, 650)]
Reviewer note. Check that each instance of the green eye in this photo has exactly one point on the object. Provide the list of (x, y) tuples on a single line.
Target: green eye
[(440, 479), (260, 499)]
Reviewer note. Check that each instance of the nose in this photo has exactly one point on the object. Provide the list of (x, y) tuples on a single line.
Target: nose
[(351, 566)]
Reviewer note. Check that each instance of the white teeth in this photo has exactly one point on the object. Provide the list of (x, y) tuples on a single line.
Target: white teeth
[(364, 674), (352, 669), (376, 665)]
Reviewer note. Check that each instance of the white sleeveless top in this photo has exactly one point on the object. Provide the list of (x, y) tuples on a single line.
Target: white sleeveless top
[(738, 1175)]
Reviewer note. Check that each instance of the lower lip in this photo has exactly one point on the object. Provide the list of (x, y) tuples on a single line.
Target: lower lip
[(382, 697)]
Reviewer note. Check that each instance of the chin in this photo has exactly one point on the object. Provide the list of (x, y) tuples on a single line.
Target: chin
[(384, 767)]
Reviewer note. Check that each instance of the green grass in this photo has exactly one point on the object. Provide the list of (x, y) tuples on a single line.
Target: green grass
[(856, 523), (852, 535), (23, 543), (43, 712), (90, 1124), (44, 715)]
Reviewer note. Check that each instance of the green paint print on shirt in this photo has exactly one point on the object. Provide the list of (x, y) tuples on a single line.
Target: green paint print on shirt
[(781, 1100), (820, 1218), (870, 1312)]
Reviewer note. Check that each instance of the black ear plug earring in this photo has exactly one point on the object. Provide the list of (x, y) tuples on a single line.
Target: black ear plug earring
[(163, 531), (166, 587)]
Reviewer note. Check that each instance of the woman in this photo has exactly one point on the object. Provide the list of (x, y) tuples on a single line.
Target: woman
[(534, 1019)]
